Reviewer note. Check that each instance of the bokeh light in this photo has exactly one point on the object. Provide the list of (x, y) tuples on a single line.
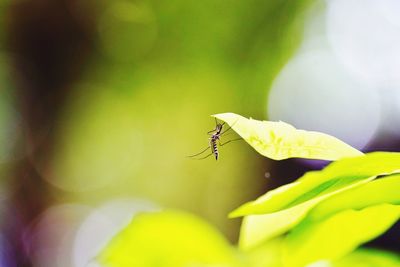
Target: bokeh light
[(316, 81), (101, 225), (365, 41), (53, 233), (365, 36), (346, 68), (101, 102)]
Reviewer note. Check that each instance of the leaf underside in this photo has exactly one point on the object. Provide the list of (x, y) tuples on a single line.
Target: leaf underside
[(279, 140)]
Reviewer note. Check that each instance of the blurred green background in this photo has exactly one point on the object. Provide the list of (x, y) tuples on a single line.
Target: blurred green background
[(103, 100), (157, 72)]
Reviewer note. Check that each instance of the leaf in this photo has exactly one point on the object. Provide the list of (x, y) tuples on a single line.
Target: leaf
[(383, 190), (337, 175), (257, 229), (368, 258), (368, 195), (279, 140), (283, 208), (267, 255), (168, 239), (337, 235)]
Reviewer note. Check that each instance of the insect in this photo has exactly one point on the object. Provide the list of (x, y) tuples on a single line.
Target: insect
[(215, 137)]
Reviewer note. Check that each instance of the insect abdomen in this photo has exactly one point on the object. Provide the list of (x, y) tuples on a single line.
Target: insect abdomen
[(214, 148)]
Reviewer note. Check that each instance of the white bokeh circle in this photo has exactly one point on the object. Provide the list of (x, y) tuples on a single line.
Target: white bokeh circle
[(101, 225), (314, 92), (365, 40)]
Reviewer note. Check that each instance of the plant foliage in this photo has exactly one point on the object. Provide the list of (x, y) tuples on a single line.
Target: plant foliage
[(323, 217), (279, 140)]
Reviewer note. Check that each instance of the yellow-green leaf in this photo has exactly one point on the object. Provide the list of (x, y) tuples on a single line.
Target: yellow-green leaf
[(334, 237), (369, 258), (279, 140), (257, 229), (168, 239), (267, 255), (338, 175), (282, 209), (383, 190)]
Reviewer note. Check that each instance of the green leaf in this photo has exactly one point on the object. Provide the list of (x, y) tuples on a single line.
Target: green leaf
[(279, 140), (168, 239), (337, 235), (369, 258), (257, 229), (338, 175), (383, 190), (282, 209), (267, 255)]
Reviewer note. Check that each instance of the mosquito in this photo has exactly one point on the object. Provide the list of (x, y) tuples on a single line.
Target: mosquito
[(215, 136)]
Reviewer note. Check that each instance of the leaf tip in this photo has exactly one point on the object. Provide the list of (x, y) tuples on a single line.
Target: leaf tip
[(239, 212), (233, 215)]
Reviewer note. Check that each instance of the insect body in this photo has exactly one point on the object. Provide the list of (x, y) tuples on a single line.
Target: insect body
[(214, 148), (213, 140), (215, 137)]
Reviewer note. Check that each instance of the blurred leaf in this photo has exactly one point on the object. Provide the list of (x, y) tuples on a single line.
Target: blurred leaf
[(338, 235), (369, 258), (383, 190), (279, 140), (288, 205), (168, 238), (257, 229), (338, 175), (267, 255)]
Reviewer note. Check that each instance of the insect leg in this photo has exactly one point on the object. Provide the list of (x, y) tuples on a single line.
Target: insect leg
[(207, 148), (225, 135), (206, 156), (230, 127), (216, 126), (211, 131)]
